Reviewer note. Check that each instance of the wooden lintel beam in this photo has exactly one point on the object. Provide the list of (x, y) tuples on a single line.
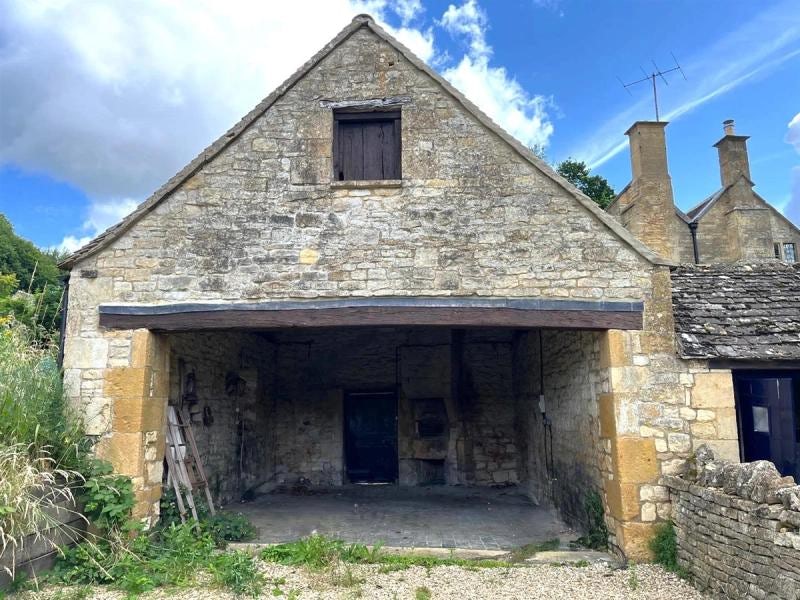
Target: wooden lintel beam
[(374, 316)]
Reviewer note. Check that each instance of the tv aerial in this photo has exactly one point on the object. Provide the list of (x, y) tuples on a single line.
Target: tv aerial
[(652, 77)]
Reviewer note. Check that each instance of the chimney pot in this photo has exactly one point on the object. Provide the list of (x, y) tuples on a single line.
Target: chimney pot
[(728, 127)]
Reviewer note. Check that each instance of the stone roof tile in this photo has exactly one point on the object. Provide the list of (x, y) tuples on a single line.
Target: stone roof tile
[(737, 311)]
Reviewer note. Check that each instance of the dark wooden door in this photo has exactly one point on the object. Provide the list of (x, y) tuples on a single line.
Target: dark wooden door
[(371, 437), (768, 419), (368, 150)]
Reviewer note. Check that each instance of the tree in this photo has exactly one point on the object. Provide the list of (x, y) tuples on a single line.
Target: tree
[(30, 282), (594, 186)]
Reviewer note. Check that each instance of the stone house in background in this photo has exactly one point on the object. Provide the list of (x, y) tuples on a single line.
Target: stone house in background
[(367, 280), (733, 224)]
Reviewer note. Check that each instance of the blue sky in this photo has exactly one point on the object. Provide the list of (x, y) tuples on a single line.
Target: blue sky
[(102, 101)]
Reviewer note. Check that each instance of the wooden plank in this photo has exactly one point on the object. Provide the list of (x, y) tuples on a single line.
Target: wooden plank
[(172, 476), (366, 105), (351, 151), (372, 150), (396, 171), (181, 470), (376, 316)]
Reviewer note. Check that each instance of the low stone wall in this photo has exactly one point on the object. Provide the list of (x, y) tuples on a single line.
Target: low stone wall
[(738, 528)]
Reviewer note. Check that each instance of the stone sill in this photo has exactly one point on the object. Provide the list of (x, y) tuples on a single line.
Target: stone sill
[(366, 184)]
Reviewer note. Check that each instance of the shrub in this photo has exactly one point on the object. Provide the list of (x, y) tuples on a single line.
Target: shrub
[(107, 498), (173, 555), (229, 527), (224, 526), (664, 546)]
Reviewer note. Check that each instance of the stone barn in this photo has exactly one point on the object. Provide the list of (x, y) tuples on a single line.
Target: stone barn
[(367, 281)]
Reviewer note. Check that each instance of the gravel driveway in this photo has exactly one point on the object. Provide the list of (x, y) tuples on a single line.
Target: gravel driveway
[(417, 583)]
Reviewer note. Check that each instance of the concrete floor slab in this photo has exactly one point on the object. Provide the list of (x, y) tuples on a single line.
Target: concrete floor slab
[(408, 517)]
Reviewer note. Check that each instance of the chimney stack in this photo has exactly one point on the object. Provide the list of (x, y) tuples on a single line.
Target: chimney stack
[(651, 216), (733, 160), (648, 150)]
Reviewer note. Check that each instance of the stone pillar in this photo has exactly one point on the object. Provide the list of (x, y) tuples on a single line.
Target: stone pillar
[(640, 419), (658, 410), (631, 459), (138, 395)]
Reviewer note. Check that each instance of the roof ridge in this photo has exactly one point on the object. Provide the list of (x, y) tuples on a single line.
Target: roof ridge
[(359, 21)]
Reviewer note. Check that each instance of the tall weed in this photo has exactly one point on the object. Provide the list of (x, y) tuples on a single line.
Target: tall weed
[(33, 499), (32, 408)]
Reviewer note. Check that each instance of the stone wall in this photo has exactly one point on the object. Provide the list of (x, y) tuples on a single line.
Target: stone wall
[(740, 226), (684, 245), (530, 429), (738, 528), (657, 410), (573, 382), (286, 426), (235, 433), (783, 231)]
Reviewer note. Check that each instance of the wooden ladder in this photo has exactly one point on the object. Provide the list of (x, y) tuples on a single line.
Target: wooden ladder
[(185, 469)]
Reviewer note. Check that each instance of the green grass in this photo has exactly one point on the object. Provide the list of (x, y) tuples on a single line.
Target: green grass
[(348, 579), (318, 552), (422, 593), (224, 526), (237, 572), (41, 446)]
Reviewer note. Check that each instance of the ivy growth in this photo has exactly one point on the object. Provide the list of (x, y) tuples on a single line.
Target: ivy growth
[(597, 532)]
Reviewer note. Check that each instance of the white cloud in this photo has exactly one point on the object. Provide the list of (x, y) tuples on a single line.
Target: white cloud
[(116, 97), (421, 43), (792, 208), (793, 133), (470, 21), (761, 45), (408, 10), (503, 99), (101, 216), (492, 88)]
